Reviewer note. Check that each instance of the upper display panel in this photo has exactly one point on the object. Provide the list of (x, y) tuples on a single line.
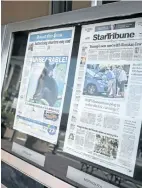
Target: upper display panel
[(105, 115)]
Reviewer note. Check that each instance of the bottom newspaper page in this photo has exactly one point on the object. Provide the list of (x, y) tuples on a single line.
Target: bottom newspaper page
[(112, 143)]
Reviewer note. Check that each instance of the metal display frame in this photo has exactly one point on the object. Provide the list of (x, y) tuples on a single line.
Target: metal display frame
[(3, 33), (93, 14)]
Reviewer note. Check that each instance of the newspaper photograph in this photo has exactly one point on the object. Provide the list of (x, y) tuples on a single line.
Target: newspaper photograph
[(43, 83), (106, 80), (49, 81), (105, 115), (106, 146)]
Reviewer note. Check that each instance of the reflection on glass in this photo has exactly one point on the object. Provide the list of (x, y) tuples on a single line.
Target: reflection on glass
[(10, 93), (11, 85)]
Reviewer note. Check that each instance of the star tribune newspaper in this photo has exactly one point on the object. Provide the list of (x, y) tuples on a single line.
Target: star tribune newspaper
[(105, 114)]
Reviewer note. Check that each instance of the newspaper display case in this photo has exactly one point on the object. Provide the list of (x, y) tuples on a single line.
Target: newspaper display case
[(36, 132)]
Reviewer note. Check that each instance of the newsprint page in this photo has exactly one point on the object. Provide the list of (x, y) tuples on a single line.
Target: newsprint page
[(106, 109), (43, 84)]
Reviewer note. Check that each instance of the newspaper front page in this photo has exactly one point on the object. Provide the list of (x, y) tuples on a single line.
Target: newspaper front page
[(106, 109), (43, 83)]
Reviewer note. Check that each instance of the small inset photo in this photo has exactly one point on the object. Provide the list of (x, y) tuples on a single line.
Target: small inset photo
[(106, 146), (30, 47), (83, 61)]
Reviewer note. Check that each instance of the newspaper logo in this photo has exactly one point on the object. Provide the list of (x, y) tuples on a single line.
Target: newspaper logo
[(110, 36), (52, 129)]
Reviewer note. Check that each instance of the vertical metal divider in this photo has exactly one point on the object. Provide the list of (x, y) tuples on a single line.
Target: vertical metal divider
[(7, 64)]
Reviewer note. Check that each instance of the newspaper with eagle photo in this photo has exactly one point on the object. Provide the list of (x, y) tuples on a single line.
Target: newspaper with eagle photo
[(106, 110), (43, 84)]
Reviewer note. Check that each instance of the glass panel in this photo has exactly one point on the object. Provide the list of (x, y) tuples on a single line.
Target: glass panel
[(56, 161)]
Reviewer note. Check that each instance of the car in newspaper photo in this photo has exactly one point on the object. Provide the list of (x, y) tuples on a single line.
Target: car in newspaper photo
[(106, 80), (95, 83)]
